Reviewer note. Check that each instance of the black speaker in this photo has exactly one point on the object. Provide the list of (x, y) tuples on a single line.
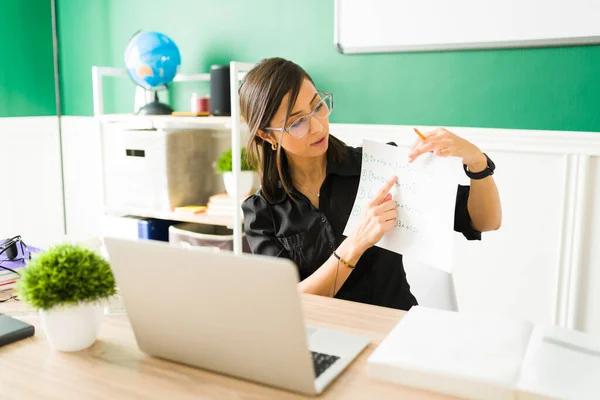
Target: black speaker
[(220, 96)]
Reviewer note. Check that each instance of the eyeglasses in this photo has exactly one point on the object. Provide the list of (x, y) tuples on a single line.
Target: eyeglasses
[(300, 125), (7, 295)]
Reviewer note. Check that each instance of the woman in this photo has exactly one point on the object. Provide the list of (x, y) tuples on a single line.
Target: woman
[(309, 181)]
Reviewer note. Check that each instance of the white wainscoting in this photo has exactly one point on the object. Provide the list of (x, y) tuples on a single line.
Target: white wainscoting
[(541, 265), (83, 183), (31, 203), (587, 301)]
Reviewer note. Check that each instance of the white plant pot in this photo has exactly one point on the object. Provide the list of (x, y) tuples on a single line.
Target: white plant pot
[(72, 328), (246, 182)]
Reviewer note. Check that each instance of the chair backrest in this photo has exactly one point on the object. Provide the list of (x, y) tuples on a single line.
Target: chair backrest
[(431, 286)]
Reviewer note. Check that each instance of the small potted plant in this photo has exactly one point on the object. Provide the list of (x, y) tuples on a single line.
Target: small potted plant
[(68, 284), (224, 166)]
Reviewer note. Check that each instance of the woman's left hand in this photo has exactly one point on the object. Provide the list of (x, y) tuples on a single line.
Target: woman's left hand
[(444, 143)]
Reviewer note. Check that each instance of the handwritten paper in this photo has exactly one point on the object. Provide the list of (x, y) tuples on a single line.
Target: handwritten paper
[(425, 195)]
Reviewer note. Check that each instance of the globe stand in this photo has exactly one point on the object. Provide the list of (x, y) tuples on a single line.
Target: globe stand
[(155, 108)]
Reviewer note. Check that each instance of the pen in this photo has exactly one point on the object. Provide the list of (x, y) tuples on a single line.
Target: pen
[(420, 134)]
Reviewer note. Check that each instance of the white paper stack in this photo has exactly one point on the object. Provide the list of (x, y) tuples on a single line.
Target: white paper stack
[(478, 356), (425, 196)]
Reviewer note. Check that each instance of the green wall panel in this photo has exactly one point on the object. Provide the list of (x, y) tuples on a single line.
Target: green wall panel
[(548, 88), (26, 61)]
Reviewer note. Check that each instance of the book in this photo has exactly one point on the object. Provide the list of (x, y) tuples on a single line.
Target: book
[(8, 278), (10, 284), (477, 356), (14, 266), (13, 330), (190, 114), (220, 205), (219, 213), (222, 199), (5, 273), (190, 210), (154, 229)]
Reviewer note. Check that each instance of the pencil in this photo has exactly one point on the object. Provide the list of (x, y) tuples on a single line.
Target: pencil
[(420, 134)]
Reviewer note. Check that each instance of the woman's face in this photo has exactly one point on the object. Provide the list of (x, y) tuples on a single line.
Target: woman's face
[(316, 140)]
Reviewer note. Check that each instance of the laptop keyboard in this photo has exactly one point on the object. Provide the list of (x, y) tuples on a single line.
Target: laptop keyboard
[(322, 361)]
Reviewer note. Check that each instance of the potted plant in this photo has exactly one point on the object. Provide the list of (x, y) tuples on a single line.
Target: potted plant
[(68, 284), (224, 166)]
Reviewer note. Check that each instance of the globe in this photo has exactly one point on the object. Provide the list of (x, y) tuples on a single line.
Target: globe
[(152, 60)]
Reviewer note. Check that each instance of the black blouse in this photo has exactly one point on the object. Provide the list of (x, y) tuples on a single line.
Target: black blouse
[(308, 235)]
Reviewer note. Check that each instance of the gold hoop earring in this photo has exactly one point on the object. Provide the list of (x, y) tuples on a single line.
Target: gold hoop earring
[(274, 146)]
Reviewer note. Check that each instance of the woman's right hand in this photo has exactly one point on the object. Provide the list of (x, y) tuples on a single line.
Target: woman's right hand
[(378, 218)]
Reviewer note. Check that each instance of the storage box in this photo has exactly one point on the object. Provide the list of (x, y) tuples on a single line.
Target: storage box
[(158, 170), (213, 237)]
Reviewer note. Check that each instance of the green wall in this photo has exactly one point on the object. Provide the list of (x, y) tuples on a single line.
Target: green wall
[(550, 88), (26, 62)]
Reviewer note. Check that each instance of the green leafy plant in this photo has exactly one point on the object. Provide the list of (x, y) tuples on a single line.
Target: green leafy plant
[(66, 274), (224, 162)]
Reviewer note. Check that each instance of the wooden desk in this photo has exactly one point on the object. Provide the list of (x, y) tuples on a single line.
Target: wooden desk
[(114, 368)]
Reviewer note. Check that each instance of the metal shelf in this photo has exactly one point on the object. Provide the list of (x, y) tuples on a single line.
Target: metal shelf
[(201, 218), (166, 121), (233, 124)]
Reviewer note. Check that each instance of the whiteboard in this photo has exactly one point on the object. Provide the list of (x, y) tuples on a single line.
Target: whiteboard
[(379, 26)]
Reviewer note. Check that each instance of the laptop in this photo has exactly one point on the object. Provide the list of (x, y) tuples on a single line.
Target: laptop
[(238, 315)]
